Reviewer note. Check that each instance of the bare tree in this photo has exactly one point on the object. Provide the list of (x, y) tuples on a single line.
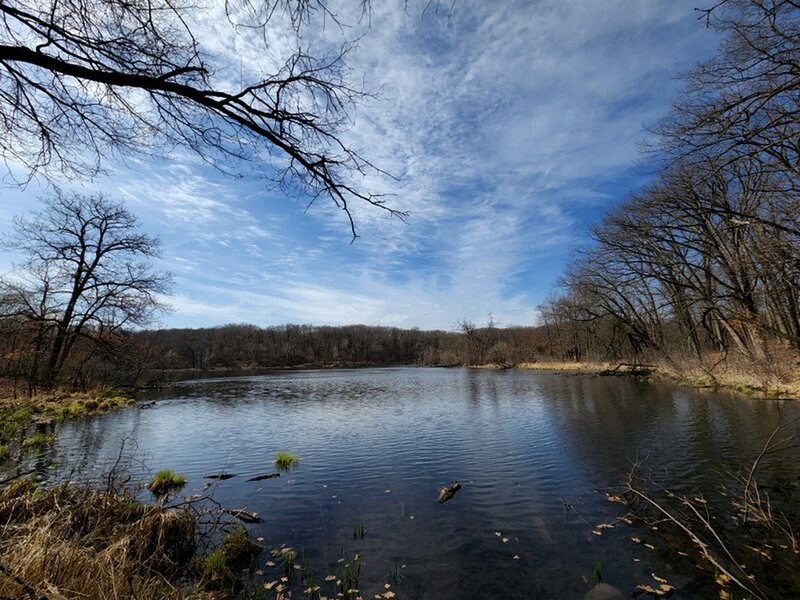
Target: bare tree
[(86, 276), (745, 101), (82, 78)]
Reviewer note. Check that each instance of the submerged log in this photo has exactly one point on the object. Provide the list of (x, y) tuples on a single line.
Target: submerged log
[(447, 492), (243, 515), (221, 476), (267, 476)]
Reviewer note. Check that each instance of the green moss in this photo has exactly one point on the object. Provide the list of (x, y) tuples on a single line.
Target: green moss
[(12, 422), (239, 550), (284, 460), (165, 481), (5, 452), (216, 564)]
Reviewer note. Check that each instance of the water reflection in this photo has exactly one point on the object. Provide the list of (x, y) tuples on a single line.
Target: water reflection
[(376, 445)]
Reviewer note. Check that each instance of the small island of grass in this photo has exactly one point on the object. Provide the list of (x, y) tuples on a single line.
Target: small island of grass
[(166, 481), (285, 461)]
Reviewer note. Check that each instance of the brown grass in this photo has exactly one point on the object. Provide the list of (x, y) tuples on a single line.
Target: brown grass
[(71, 542), (579, 367), (777, 375)]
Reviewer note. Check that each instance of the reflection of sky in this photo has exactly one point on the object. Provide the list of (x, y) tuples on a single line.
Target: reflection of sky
[(510, 126), (377, 445)]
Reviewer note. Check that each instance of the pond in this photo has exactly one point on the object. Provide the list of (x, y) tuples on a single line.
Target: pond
[(535, 452)]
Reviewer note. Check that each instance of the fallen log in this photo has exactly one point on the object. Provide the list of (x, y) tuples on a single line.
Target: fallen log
[(243, 515), (220, 477), (267, 476)]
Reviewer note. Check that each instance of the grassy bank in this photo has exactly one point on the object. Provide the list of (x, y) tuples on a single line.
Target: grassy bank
[(781, 380), (24, 421), (79, 542)]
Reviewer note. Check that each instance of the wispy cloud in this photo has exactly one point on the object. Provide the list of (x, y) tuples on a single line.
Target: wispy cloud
[(508, 125)]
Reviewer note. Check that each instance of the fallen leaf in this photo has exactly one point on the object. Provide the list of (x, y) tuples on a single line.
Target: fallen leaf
[(597, 532), (657, 578)]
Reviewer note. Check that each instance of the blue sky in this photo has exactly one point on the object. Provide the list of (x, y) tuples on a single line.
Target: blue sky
[(511, 126)]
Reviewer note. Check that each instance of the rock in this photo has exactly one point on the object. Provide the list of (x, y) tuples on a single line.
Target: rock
[(604, 591), (447, 492)]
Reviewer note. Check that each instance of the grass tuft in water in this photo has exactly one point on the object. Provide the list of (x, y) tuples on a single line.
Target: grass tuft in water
[(597, 570), (166, 481), (359, 531), (38, 441), (349, 573), (239, 550), (289, 555), (285, 461), (395, 575)]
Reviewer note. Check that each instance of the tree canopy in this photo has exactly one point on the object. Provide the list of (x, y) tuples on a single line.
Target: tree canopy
[(81, 79)]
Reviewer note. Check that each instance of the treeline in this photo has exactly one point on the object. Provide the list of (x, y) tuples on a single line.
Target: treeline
[(150, 356), (704, 263), (251, 347)]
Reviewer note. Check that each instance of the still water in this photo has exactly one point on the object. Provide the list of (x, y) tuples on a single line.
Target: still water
[(376, 445)]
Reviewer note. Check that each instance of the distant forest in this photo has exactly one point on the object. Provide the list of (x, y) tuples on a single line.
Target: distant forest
[(149, 356)]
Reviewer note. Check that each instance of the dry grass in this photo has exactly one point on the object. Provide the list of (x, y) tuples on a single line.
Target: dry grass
[(71, 542), (578, 367), (777, 374)]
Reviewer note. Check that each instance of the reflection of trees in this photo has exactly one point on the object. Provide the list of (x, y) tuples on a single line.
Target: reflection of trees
[(693, 437)]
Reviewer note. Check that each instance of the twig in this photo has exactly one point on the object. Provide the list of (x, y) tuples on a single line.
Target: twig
[(704, 548), (767, 448)]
